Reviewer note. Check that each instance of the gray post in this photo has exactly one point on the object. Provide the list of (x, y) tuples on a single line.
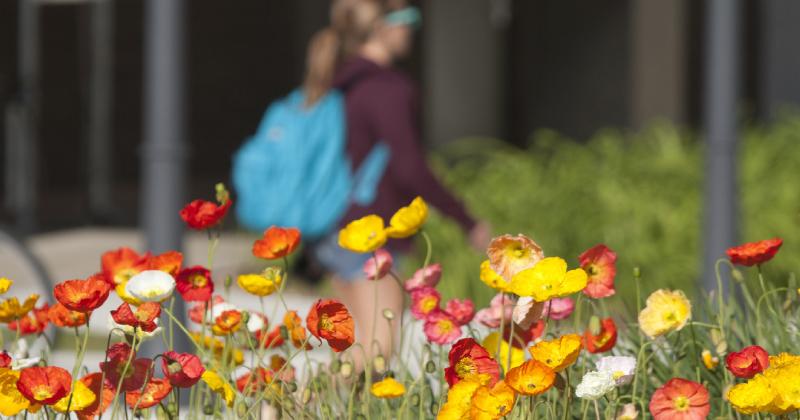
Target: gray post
[(721, 94), (100, 108), (164, 152)]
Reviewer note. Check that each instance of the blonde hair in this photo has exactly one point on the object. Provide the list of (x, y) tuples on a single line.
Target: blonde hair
[(352, 22)]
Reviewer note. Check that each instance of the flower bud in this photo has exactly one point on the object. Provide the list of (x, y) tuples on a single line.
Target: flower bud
[(414, 400), (228, 281), (306, 397), (430, 367), (379, 364), (388, 314), (208, 410), (336, 365), (637, 273), (242, 409), (346, 370), (284, 332), (737, 275), (291, 387)]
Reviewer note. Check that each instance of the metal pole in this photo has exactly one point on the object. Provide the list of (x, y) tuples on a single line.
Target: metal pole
[(100, 108), (722, 88), (164, 152)]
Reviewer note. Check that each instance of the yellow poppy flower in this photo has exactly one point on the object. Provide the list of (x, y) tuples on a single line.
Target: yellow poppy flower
[(491, 278), (12, 402), (531, 378), (363, 235), (388, 388), (82, 397), (558, 354), (263, 284), (218, 385), (124, 295), (709, 361), (784, 384), (548, 279), (459, 399), (493, 403), (753, 396), (517, 355), (5, 284), (10, 309), (665, 311), (407, 221)]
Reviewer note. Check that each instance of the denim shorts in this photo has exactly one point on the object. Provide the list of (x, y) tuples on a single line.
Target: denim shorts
[(346, 265)]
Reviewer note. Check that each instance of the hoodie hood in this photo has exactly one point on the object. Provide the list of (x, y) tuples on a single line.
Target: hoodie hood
[(353, 70)]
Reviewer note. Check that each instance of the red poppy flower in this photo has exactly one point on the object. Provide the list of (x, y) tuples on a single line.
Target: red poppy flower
[(277, 243), (119, 352), (104, 396), (182, 369), (329, 319), (44, 385), (82, 295), (680, 399), (119, 265), (35, 322), (194, 284), (255, 381), (5, 359), (599, 262), (156, 390), (604, 340), (747, 362), (469, 359), (132, 375), (202, 214), (754, 253), (65, 318), (272, 339), (143, 318)]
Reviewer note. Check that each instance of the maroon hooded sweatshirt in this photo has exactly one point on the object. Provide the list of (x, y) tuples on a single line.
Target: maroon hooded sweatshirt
[(382, 105)]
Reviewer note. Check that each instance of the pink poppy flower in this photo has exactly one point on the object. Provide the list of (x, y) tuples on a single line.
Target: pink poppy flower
[(424, 300), (378, 265), (599, 262), (558, 308), (462, 310), (500, 309), (428, 276), (441, 328)]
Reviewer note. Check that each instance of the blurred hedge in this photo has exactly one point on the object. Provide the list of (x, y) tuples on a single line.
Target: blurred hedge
[(639, 193)]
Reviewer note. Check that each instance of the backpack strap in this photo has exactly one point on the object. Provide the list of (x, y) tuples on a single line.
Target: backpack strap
[(369, 174)]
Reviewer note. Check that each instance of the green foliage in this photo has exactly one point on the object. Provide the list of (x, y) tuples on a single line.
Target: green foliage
[(639, 193)]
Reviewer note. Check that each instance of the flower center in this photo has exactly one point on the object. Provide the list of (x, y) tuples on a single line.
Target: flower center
[(42, 393), (198, 280), (124, 275), (325, 323), (681, 403), (618, 374), (592, 270), (670, 317), (445, 326), (428, 304), (465, 366)]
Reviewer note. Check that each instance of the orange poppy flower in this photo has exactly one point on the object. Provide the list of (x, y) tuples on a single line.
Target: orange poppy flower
[(558, 354), (119, 265), (680, 399), (294, 325), (270, 339), (101, 403), (754, 253), (604, 340), (35, 322), (255, 381), (277, 243), (143, 318), (65, 318), (329, 319), (156, 390), (202, 214), (169, 262), (227, 322), (44, 385), (494, 402), (82, 295), (599, 263), (531, 378), (194, 284), (182, 369)]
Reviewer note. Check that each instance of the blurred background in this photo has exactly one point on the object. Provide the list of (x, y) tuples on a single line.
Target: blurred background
[(573, 122)]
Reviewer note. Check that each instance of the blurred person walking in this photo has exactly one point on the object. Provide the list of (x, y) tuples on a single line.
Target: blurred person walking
[(355, 55)]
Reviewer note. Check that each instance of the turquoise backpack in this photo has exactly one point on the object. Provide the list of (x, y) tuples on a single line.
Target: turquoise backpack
[(294, 171)]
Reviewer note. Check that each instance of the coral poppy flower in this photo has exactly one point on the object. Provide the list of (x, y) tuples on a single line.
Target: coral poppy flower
[(143, 317), (510, 356), (531, 378), (441, 328), (255, 381), (119, 265), (388, 388), (219, 386), (680, 399), (282, 368), (262, 284), (500, 310), (558, 308), (82, 295), (104, 396), (131, 375), (509, 255), (66, 318), (462, 310), (270, 339), (599, 262), (228, 322), (195, 284), (294, 326), (156, 390), (548, 279), (11, 309), (754, 253), (378, 265), (559, 353), (747, 362), (151, 286), (12, 402), (424, 300), (426, 276), (277, 243), (363, 235), (468, 359), (44, 385), (604, 340), (408, 220), (35, 322), (664, 311), (493, 402), (329, 319), (202, 214)]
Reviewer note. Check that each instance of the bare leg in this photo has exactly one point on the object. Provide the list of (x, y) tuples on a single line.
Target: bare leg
[(360, 298)]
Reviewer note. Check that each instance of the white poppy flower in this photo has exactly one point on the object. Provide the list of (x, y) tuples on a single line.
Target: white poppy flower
[(255, 323), (123, 330), (621, 368), (594, 385), (629, 412), (18, 364), (151, 286)]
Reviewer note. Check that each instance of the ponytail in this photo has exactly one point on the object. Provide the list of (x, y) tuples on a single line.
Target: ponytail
[(323, 56)]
